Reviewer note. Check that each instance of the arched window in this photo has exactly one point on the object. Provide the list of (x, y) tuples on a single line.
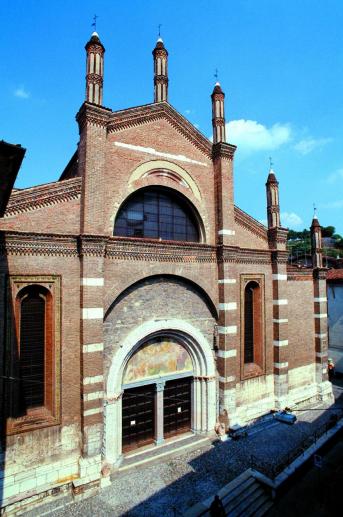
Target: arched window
[(32, 347), (252, 324), (33, 344), (157, 213)]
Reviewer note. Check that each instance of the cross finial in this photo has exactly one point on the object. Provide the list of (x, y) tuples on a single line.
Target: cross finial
[(216, 74), (94, 22), (314, 211), (270, 163), (159, 29)]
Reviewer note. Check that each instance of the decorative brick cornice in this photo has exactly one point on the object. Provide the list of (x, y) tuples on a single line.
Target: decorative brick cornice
[(161, 110), (299, 276), (320, 273), (248, 222), (18, 243), (92, 114), (278, 235), (92, 245), (138, 249), (238, 255), (223, 150), (280, 256), (43, 195)]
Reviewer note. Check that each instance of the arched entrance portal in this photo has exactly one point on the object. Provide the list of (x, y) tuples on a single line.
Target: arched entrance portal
[(157, 388), (161, 383)]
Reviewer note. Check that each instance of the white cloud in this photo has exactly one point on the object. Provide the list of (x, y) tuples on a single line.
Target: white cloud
[(290, 219), (249, 135), (21, 93), (307, 145), (335, 176), (188, 112)]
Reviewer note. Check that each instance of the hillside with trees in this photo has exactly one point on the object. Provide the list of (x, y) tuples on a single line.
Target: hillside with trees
[(299, 243)]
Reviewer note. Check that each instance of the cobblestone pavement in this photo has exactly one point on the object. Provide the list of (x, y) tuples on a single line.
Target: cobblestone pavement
[(155, 489)]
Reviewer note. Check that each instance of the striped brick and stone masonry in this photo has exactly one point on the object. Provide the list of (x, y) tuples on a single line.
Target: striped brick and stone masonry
[(227, 275), (228, 350), (320, 311), (92, 251), (91, 155), (280, 327), (277, 238), (320, 327)]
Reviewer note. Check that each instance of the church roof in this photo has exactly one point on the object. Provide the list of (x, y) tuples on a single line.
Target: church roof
[(11, 157)]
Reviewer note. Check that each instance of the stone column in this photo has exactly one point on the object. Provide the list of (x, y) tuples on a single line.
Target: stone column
[(159, 413)]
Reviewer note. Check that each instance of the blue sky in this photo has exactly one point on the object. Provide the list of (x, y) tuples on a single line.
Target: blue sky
[(280, 64)]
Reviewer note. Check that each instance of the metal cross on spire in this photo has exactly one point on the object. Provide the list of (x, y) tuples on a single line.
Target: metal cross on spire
[(159, 29), (270, 163), (216, 74), (94, 22), (314, 211)]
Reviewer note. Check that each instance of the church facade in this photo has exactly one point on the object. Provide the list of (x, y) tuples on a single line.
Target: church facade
[(139, 303)]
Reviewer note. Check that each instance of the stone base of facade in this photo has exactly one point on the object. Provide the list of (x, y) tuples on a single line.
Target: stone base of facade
[(74, 476)]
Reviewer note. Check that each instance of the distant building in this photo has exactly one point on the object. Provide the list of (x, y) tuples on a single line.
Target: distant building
[(140, 302)]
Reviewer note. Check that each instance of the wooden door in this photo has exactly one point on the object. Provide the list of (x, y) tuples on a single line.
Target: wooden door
[(138, 416), (177, 406)]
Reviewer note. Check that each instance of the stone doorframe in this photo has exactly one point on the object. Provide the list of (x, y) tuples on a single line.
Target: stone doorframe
[(204, 385)]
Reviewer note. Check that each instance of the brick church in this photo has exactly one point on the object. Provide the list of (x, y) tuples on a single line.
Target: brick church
[(139, 302)]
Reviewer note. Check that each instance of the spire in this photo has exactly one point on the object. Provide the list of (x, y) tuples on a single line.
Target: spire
[(273, 206), (160, 54), (218, 117), (316, 242), (95, 69)]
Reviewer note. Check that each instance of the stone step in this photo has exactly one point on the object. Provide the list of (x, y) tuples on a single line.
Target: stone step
[(247, 500), (169, 448), (241, 492), (262, 510)]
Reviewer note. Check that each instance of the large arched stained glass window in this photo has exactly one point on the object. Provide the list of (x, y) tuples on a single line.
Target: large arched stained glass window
[(157, 213)]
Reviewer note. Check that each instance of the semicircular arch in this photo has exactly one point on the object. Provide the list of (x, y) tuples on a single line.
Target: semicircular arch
[(163, 165)]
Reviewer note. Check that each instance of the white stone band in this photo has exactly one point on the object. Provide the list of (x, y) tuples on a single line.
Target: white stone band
[(321, 354), (93, 347), (282, 320), (92, 282), (231, 306), (323, 299), (321, 316), (321, 336), (227, 379), (93, 313), (283, 342), (151, 150), (278, 276), (93, 380), (227, 281), (93, 396), (232, 329), (93, 411), (280, 302), (281, 365), (226, 232), (227, 353)]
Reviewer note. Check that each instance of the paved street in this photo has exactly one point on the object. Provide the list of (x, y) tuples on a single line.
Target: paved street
[(154, 489)]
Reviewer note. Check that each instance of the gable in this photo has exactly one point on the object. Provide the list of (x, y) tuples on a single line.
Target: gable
[(157, 117)]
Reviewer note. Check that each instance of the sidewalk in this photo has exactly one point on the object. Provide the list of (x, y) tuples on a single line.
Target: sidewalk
[(189, 476)]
